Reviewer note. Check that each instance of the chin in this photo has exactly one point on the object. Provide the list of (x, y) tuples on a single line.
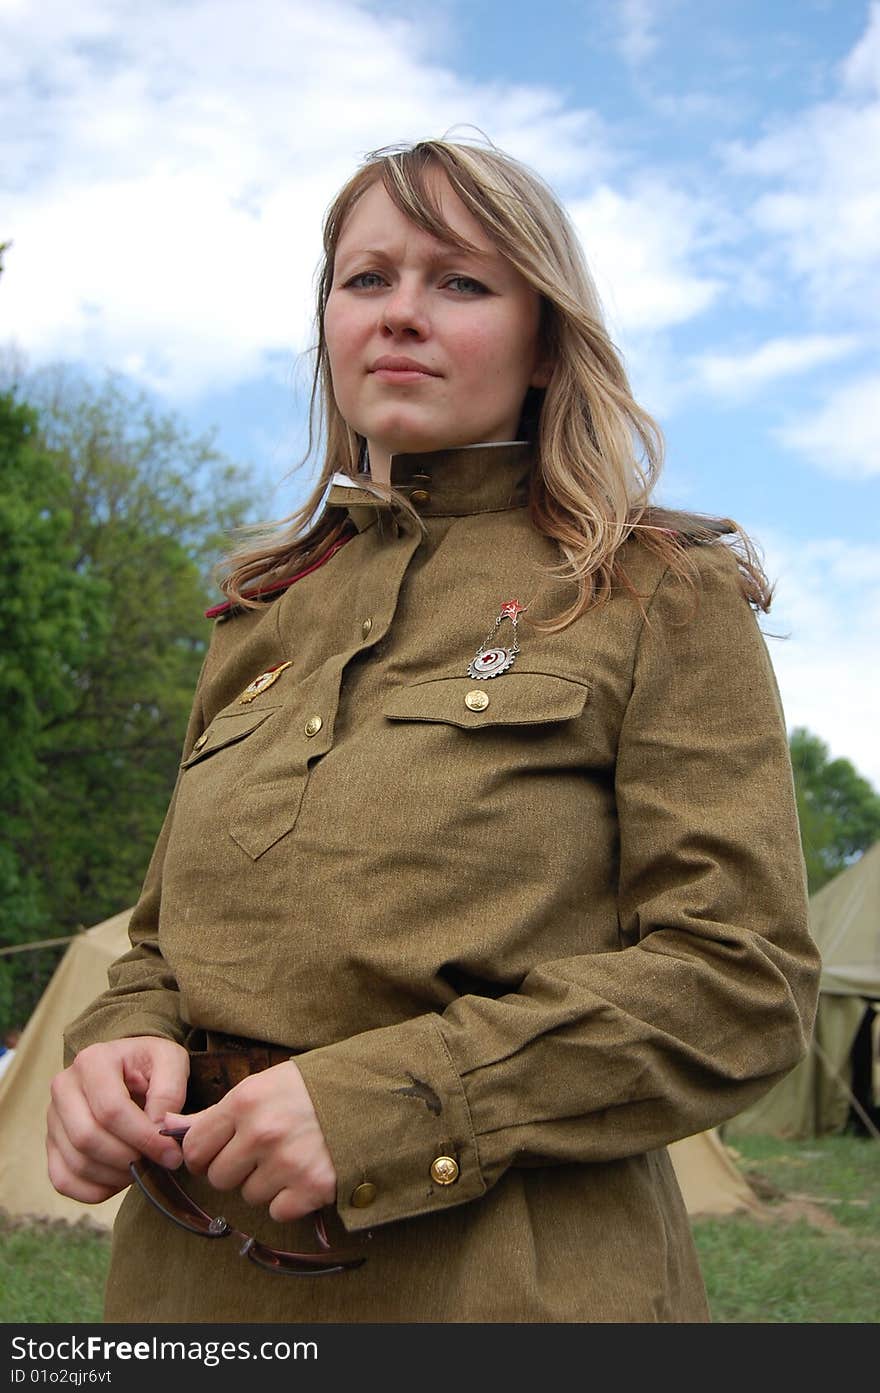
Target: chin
[(417, 443)]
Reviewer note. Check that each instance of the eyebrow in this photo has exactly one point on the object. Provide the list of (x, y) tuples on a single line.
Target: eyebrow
[(449, 253)]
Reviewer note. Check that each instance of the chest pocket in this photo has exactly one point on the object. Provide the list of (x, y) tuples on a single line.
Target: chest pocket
[(226, 729), (258, 788), (514, 698)]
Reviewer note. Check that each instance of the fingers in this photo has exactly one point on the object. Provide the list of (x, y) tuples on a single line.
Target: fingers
[(95, 1124), (250, 1124), (292, 1204), (73, 1175), (207, 1134), (290, 1188), (68, 1160), (71, 1117), (106, 1078), (264, 1139), (166, 1088), (76, 1187)]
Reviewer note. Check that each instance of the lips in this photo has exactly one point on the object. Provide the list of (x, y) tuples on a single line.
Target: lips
[(393, 364)]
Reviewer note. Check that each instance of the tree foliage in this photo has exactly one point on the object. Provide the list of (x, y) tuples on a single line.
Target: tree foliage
[(838, 809), (111, 517), (47, 621)]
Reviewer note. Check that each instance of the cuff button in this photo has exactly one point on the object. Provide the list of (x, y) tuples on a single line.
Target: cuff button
[(363, 1195), (444, 1170)]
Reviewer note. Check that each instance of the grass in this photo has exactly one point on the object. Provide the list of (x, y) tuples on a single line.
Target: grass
[(52, 1272), (813, 1257)]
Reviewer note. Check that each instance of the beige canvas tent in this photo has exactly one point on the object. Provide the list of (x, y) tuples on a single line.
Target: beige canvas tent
[(710, 1181), (24, 1087), (842, 1064)]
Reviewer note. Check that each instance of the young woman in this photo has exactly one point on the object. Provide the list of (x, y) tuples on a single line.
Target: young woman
[(482, 881)]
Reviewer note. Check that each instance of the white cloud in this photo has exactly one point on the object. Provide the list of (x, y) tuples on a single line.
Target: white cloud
[(738, 375), (861, 69), (821, 212), (642, 248), (843, 436), (168, 168), (828, 604), (638, 38)]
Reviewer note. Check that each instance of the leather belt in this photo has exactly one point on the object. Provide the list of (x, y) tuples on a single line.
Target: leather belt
[(222, 1061)]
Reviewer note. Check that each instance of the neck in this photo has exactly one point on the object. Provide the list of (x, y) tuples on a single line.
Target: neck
[(379, 464)]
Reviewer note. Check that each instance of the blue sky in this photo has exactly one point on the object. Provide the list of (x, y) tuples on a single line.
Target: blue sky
[(166, 169)]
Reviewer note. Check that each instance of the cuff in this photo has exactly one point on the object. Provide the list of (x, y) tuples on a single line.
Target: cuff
[(396, 1122)]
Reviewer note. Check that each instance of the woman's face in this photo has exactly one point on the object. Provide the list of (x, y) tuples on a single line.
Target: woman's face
[(429, 347)]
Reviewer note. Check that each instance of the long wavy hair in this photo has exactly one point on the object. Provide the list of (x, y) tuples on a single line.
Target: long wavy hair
[(598, 453)]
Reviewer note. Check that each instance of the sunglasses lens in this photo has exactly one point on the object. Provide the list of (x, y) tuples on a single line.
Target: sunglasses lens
[(163, 1191), (300, 1264)]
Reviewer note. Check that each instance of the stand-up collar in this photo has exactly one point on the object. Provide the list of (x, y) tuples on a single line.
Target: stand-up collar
[(485, 478)]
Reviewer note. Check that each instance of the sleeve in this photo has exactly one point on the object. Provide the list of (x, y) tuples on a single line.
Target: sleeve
[(709, 1000), (142, 996)]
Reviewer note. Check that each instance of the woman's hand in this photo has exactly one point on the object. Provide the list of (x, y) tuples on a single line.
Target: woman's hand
[(264, 1139), (106, 1110)]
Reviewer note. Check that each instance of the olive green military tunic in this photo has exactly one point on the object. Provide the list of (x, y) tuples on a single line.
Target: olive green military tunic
[(541, 924)]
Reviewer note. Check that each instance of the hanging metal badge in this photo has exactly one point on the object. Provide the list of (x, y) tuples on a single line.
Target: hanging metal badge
[(491, 659)]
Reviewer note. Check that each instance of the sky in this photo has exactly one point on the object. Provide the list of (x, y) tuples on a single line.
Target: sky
[(166, 168)]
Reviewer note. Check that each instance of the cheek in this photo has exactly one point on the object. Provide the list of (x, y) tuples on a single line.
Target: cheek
[(481, 350), (341, 336), (498, 351)]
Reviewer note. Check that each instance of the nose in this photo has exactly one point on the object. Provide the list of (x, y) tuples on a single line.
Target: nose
[(404, 311)]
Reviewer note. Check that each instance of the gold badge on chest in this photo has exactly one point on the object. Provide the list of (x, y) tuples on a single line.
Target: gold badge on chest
[(260, 683)]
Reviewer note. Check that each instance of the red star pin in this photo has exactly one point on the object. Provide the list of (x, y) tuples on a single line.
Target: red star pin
[(510, 609)]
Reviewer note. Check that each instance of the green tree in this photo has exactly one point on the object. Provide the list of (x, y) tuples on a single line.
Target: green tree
[(838, 809), (118, 542), (48, 619)]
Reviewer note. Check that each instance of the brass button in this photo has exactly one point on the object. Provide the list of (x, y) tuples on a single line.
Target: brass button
[(202, 740), (444, 1170), (313, 725), (420, 497), (366, 627), (476, 700), (363, 1195)]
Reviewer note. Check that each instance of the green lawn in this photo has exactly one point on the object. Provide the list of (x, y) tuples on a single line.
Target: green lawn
[(814, 1257), (51, 1272)]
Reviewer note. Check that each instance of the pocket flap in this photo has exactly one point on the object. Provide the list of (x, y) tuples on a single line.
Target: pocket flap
[(226, 729), (514, 698), (266, 813)]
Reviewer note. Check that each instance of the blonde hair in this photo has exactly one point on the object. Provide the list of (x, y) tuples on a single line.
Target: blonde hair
[(598, 453)]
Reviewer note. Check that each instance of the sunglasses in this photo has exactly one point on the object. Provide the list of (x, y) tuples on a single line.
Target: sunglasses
[(166, 1195)]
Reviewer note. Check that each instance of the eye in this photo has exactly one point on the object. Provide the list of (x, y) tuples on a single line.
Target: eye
[(466, 285), (358, 282)]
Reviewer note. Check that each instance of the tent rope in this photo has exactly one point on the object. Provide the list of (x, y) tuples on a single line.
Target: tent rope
[(43, 943)]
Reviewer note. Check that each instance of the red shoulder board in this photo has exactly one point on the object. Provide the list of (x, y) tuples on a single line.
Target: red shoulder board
[(270, 591)]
